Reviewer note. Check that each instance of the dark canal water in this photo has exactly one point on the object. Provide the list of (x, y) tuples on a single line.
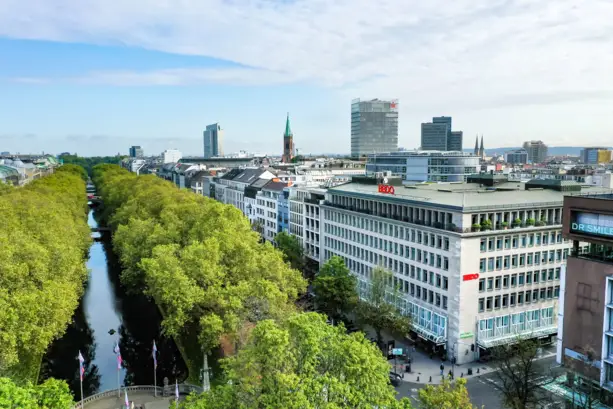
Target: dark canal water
[(106, 306)]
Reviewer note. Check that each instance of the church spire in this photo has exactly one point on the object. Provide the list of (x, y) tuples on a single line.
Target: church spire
[(288, 128), (481, 149), (476, 145)]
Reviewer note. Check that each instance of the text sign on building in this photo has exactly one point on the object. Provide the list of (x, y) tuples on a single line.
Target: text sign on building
[(592, 224), (388, 189), (468, 277)]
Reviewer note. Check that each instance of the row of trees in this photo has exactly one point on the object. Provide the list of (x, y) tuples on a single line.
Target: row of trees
[(88, 163), (198, 258), (52, 394)]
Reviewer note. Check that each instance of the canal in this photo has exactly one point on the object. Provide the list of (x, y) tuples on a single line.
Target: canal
[(106, 315)]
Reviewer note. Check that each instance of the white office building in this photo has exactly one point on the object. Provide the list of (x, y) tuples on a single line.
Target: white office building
[(425, 166), (171, 156), (305, 218), (466, 289)]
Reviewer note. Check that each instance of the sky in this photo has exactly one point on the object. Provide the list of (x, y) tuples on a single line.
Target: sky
[(95, 77)]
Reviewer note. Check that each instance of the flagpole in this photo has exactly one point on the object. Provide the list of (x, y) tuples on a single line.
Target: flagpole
[(81, 378), (155, 383)]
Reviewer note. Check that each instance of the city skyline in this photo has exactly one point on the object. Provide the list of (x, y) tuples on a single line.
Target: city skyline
[(96, 82)]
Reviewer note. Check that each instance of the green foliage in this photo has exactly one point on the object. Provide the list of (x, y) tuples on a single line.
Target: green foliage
[(52, 394), (43, 242), (445, 396), (199, 259), (530, 222), (89, 162), (292, 249), (5, 188), (378, 309), (486, 224), (302, 363), (335, 289), (517, 222), (476, 227), (74, 169)]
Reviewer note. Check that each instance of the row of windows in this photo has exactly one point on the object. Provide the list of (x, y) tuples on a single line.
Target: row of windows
[(518, 279), (388, 229), (425, 257), (522, 320), (520, 241), (404, 286), (520, 298), (522, 260)]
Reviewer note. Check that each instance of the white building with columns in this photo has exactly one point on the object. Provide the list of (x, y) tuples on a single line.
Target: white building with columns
[(466, 289)]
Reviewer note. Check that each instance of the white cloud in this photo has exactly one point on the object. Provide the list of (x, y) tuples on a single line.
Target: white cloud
[(448, 56)]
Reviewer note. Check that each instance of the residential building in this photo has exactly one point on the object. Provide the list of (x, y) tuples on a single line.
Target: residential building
[(585, 334), (305, 219), (466, 290), (516, 157), (425, 166), (230, 188), (537, 151), (595, 155), (439, 136), (374, 126), (136, 152), (171, 156), (288, 143), (200, 182), (267, 208), (213, 141)]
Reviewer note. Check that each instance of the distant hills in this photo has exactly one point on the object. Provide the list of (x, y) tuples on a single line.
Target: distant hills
[(552, 150)]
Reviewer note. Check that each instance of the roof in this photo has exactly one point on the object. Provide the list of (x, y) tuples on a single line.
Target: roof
[(260, 183), (248, 175), (288, 128), (7, 171), (275, 185), (201, 174), (463, 196)]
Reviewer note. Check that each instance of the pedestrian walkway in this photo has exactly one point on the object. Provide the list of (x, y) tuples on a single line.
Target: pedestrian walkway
[(425, 370)]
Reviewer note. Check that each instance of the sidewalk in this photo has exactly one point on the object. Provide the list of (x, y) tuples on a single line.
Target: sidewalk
[(427, 371)]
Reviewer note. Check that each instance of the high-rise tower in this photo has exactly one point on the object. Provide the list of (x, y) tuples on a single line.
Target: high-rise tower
[(288, 143), (213, 141)]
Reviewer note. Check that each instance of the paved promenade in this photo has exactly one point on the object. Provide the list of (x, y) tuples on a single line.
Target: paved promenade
[(142, 396)]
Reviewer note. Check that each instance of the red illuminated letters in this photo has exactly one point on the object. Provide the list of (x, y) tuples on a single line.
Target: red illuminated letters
[(387, 189)]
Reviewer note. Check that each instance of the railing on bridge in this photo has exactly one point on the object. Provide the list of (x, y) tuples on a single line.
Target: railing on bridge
[(162, 392)]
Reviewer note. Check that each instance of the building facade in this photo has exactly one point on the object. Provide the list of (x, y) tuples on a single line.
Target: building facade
[(516, 157), (213, 141), (374, 127), (586, 319), (537, 151), (466, 289), (136, 152), (595, 155), (425, 166), (171, 156), (439, 136)]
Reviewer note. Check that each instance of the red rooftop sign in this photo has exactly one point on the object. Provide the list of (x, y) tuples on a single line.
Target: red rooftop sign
[(468, 277), (388, 189)]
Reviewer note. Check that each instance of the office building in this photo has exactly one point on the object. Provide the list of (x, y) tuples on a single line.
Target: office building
[(595, 155), (425, 166), (213, 141), (537, 151), (439, 136), (374, 126), (171, 156), (136, 152), (288, 143), (477, 264), (585, 343), (516, 157)]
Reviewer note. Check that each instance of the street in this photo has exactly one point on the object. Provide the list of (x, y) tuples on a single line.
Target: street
[(480, 389)]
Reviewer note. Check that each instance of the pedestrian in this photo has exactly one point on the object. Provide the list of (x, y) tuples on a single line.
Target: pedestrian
[(442, 368)]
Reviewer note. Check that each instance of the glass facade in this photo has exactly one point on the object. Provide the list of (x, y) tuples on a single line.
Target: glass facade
[(374, 127)]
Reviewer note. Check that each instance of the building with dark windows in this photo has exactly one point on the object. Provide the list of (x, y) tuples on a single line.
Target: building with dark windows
[(595, 155), (136, 152), (516, 157), (374, 127), (537, 151), (585, 333), (438, 135), (213, 141)]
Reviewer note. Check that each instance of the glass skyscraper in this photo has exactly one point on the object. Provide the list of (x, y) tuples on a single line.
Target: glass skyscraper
[(438, 136), (213, 139), (374, 126)]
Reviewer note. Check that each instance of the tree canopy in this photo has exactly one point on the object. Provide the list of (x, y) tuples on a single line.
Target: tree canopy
[(292, 249), (52, 394), (447, 395), (198, 258), (44, 238), (303, 363), (335, 289), (88, 163)]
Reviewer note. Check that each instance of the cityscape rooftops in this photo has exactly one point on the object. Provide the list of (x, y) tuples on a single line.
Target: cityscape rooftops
[(420, 153)]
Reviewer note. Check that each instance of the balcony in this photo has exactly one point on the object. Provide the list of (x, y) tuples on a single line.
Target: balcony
[(505, 334), (596, 253)]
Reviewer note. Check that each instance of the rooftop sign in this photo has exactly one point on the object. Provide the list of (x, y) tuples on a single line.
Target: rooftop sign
[(592, 224)]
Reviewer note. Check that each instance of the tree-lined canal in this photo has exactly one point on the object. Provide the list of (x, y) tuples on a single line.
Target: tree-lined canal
[(107, 314)]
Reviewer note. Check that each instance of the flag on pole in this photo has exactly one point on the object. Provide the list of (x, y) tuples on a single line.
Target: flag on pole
[(127, 401), (116, 348), (118, 352), (154, 353), (81, 367), (176, 389), (119, 361)]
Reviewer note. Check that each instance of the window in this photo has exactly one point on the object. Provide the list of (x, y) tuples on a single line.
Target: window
[(445, 283), (538, 239), (482, 265), (444, 302), (528, 296), (499, 263), (514, 241), (488, 304), (490, 244), (507, 261), (535, 277), (513, 280), (481, 285), (481, 304), (550, 274), (520, 278), (505, 301), (531, 240), (497, 302), (522, 260), (514, 261), (520, 298), (507, 242), (529, 277), (512, 300), (543, 276), (490, 283), (549, 293), (497, 283), (505, 281), (556, 292), (499, 243), (557, 274)]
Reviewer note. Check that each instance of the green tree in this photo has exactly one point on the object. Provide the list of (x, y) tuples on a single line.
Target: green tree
[(52, 394), (378, 308), (292, 249), (74, 169), (302, 363), (445, 396), (335, 289)]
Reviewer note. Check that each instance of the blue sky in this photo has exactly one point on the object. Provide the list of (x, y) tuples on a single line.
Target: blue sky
[(91, 78)]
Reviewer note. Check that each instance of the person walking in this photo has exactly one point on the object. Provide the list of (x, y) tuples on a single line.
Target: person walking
[(442, 368)]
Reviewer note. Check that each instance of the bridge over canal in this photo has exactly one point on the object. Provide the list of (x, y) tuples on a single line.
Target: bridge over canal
[(142, 396)]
